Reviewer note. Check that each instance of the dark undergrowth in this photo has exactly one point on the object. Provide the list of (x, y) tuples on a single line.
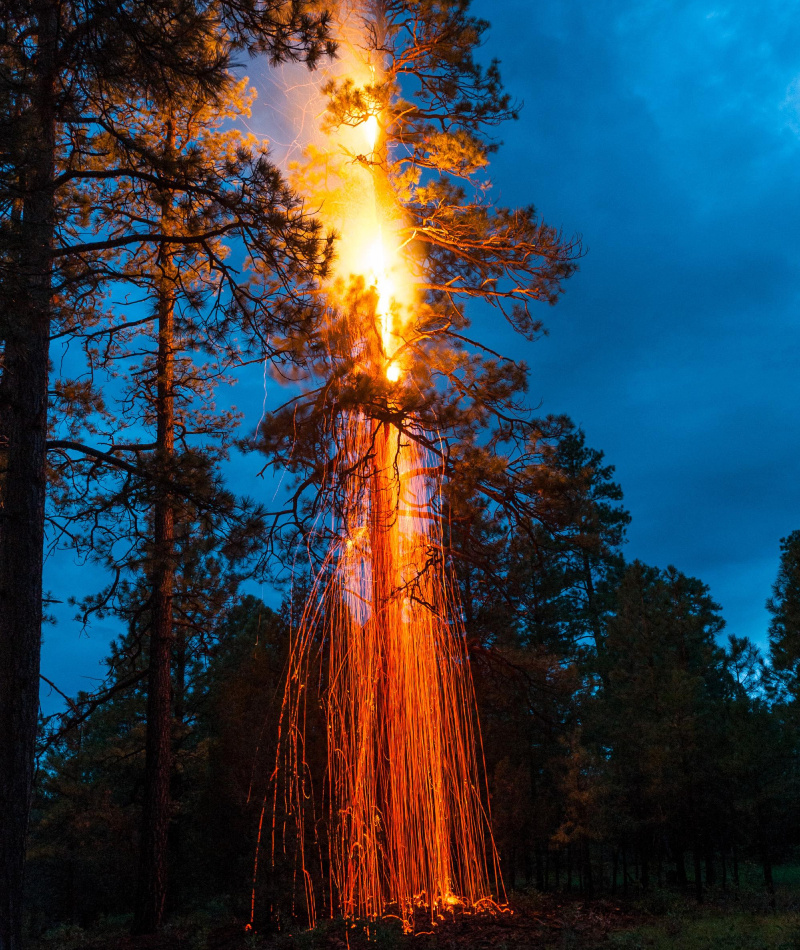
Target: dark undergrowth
[(734, 919)]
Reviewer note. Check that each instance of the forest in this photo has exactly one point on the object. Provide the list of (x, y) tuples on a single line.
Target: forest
[(628, 769)]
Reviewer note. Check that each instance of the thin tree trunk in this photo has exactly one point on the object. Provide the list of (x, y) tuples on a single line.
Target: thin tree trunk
[(152, 884), (23, 443), (624, 870), (526, 860), (644, 857), (698, 876), (660, 862), (680, 869), (587, 876), (594, 616), (601, 870), (708, 857), (766, 857)]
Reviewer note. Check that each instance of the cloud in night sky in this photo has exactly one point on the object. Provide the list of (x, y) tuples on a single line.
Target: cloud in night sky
[(667, 134)]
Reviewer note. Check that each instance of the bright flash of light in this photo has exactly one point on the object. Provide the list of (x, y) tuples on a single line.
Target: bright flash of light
[(371, 130), (383, 285)]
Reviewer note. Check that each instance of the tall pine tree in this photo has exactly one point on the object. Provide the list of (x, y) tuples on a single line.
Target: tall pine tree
[(64, 69), (435, 107)]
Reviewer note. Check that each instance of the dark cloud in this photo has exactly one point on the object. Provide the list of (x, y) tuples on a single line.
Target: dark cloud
[(668, 134)]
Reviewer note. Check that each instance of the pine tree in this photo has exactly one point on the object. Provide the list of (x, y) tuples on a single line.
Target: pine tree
[(191, 177), (534, 595), (661, 714), (760, 778), (589, 542), (784, 606), (435, 107), (64, 68)]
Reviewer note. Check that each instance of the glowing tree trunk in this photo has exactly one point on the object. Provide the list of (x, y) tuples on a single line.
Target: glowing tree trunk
[(406, 822)]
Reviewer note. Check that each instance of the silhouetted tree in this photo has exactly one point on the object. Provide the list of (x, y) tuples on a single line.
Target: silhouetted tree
[(64, 70), (784, 606), (661, 712)]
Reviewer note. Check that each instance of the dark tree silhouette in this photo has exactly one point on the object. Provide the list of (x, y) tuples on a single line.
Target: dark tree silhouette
[(64, 67)]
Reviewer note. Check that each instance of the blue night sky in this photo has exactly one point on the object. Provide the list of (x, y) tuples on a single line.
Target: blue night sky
[(666, 134)]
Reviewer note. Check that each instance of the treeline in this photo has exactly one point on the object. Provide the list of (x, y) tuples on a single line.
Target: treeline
[(626, 745), (630, 744)]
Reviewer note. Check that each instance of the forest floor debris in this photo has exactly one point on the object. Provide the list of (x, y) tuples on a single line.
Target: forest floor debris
[(659, 921)]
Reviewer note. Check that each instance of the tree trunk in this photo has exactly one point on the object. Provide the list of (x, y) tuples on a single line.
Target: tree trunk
[(179, 734), (594, 615), (680, 869), (586, 871), (644, 858), (711, 878), (152, 884), (765, 854), (624, 870), (698, 878), (23, 445)]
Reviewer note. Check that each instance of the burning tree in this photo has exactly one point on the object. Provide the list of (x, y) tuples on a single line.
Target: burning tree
[(399, 404)]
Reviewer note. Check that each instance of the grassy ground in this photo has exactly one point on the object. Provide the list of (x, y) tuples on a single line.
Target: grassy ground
[(728, 932), (733, 920)]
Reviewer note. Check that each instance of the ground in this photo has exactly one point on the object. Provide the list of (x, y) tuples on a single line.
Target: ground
[(734, 919)]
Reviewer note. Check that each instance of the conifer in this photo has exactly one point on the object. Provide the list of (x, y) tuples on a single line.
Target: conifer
[(213, 195), (436, 107), (66, 72), (784, 606)]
